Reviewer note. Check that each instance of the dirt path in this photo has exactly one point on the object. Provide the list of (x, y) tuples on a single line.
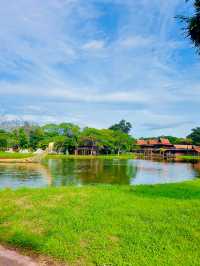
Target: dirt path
[(9, 257), (12, 258)]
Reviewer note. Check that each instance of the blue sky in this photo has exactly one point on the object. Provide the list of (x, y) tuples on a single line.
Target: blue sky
[(95, 62)]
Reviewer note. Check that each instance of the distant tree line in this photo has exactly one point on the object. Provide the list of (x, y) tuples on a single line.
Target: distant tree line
[(67, 137)]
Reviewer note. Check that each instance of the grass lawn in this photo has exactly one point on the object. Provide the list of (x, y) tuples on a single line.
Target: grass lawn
[(106, 225), (188, 158), (109, 157), (14, 155)]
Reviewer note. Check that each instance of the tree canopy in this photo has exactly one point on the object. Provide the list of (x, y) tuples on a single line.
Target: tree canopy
[(195, 136), (122, 126), (67, 137), (193, 25)]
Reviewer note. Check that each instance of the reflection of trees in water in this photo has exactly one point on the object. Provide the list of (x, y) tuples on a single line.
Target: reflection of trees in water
[(70, 172), (67, 172), (77, 172)]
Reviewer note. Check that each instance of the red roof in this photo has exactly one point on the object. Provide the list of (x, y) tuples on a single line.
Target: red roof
[(141, 142), (165, 141), (162, 141), (197, 148), (153, 142)]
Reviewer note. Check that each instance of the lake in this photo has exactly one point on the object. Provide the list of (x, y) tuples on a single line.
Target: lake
[(65, 172)]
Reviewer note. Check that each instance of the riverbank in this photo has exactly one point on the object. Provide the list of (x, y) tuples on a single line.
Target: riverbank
[(105, 225), (14, 155), (17, 157), (85, 157)]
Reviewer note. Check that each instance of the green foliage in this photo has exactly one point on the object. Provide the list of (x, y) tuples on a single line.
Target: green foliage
[(106, 225), (50, 130), (175, 140), (108, 141), (195, 136), (122, 126), (3, 143), (193, 25), (3, 139), (35, 137), (23, 139), (67, 137)]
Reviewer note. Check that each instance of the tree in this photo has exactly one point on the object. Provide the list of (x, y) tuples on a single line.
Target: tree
[(4, 138), (23, 139), (122, 126), (35, 137), (176, 140), (123, 142), (195, 136), (3, 143), (89, 137), (193, 25), (50, 130)]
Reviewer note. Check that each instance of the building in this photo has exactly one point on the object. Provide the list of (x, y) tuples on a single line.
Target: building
[(154, 143), (88, 147), (86, 150), (163, 148)]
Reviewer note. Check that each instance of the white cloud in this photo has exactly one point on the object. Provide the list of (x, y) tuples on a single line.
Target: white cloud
[(136, 42), (94, 45), (74, 51)]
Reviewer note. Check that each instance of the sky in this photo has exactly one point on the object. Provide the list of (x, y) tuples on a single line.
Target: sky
[(96, 62)]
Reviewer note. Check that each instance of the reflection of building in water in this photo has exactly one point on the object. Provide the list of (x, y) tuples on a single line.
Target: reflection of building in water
[(197, 168), (46, 173)]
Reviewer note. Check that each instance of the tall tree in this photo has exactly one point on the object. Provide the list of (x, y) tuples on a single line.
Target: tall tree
[(36, 135), (122, 126), (3, 143), (23, 139), (195, 136), (123, 142), (193, 25)]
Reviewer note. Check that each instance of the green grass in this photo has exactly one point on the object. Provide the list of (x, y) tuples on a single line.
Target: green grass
[(188, 158), (106, 225), (14, 155), (109, 157)]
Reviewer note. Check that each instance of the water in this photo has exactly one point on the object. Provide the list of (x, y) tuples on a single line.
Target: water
[(64, 172)]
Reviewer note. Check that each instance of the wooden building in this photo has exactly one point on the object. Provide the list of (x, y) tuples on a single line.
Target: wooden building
[(87, 147), (86, 150), (154, 143), (162, 148)]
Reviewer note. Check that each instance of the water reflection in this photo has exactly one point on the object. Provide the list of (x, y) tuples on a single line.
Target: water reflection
[(82, 172), (21, 174), (197, 168), (152, 172)]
